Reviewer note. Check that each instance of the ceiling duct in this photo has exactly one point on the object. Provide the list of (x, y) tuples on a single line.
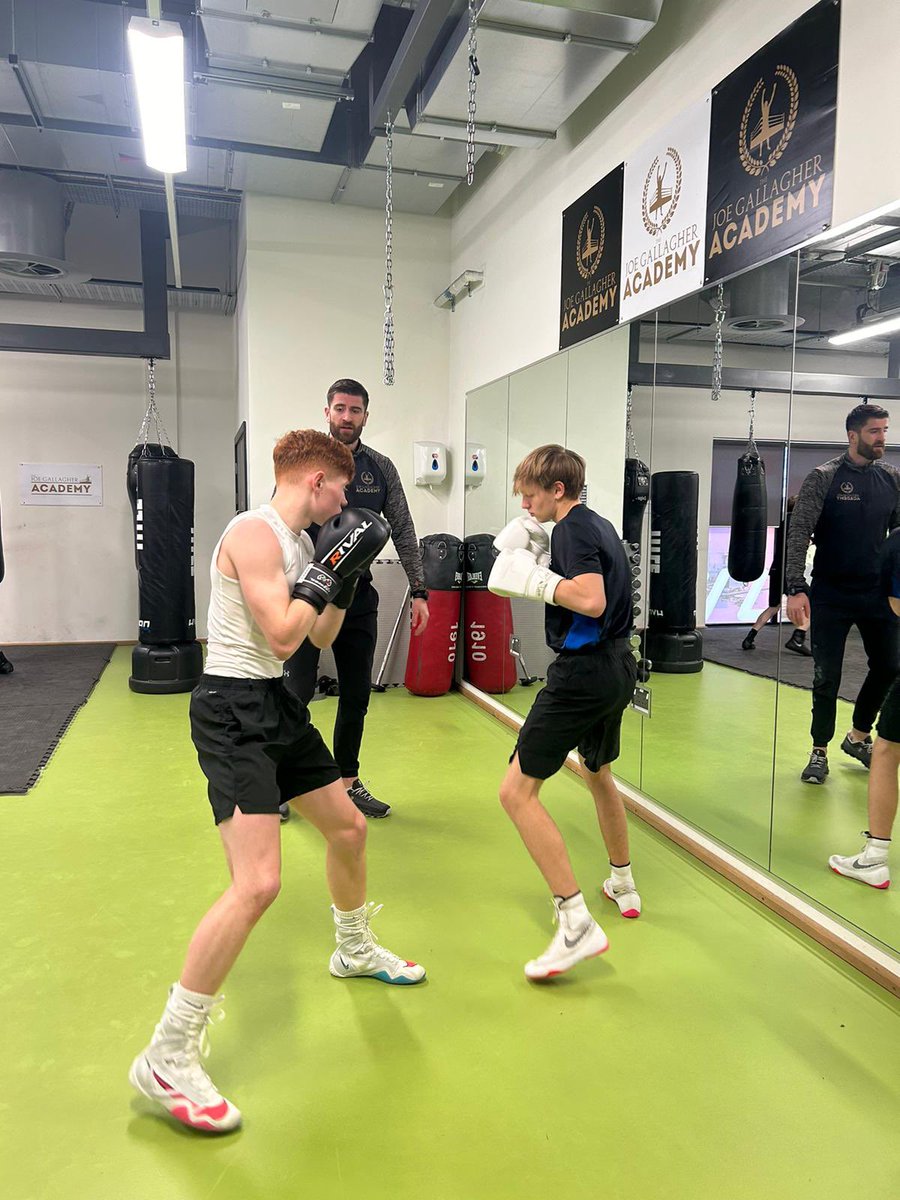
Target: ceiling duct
[(33, 228), (760, 301)]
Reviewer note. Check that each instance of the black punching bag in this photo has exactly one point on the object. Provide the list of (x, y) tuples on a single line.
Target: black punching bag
[(161, 489), (747, 548), (674, 644), (634, 500)]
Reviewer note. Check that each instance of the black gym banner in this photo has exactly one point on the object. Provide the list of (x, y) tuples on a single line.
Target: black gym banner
[(591, 261), (771, 161)]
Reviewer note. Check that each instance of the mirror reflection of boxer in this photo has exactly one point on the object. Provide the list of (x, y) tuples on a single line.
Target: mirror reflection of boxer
[(848, 505), (375, 485), (871, 864), (582, 576)]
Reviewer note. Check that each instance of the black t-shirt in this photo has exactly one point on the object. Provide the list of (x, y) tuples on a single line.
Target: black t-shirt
[(584, 543)]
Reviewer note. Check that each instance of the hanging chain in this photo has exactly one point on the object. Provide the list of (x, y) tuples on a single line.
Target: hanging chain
[(389, 253), (630, 444), (474, 72), (719, 310), (152, 413), (752, 410)]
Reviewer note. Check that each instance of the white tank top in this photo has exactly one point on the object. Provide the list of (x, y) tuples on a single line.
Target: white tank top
[(237, 647)]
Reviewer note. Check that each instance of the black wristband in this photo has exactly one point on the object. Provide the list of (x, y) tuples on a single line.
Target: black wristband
[(317, 586), (797, 589), (419, 594)]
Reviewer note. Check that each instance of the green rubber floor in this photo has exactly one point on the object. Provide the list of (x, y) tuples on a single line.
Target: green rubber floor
[(709, 753), (712, 1052)]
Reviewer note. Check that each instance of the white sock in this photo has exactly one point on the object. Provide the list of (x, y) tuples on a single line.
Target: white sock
[(876, 849), (348, 917), (573, 908), (622, 879), (859, 741), (195, 999)]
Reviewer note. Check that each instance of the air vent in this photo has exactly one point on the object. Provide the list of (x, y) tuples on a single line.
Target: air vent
[(32, 228)]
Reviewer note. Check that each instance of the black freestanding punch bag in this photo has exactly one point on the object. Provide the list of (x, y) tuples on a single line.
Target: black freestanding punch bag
[(168, 657), (674, 644)]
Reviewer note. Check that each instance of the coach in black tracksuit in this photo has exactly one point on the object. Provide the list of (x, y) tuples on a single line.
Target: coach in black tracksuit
[(376, 485), (848, 505)]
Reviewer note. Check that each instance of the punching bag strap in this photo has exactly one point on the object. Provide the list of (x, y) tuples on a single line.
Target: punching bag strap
[(718, 305), (630, 444), (153, 414), (751, 441)]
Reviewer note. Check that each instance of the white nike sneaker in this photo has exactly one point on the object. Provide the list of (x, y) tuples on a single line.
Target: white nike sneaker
[(170, 1073), (624, 895), (869, 866), (358, 954), (578, 937)]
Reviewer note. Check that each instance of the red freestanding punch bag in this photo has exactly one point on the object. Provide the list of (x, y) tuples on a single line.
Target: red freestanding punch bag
[(488, 622), (432, 655)]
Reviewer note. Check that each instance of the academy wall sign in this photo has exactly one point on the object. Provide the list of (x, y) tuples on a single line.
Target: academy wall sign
[(664, 214), (76, 485), (771, 160), (591, 257)]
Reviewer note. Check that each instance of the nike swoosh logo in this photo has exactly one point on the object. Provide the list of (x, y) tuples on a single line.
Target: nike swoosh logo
[(345, 965), (575, 941), (861, 866)]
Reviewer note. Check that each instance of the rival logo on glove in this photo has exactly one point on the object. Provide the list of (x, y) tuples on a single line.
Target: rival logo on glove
[(346, 546)]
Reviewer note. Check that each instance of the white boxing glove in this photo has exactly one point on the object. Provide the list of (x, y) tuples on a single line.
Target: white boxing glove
[(517, 572), (525, 533)]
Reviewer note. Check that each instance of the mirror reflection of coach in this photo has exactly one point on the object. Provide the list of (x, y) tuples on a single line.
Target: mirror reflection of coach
[(376, 485)]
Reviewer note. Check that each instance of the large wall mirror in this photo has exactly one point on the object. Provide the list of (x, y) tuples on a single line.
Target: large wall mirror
[(730, 679)]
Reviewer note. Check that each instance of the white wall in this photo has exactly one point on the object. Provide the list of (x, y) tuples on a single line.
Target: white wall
[(311, 312), (511, 227), (70, 572)]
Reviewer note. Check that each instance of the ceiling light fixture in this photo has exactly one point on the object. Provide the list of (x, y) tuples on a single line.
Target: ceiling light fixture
[(157, 62), (861, 333)]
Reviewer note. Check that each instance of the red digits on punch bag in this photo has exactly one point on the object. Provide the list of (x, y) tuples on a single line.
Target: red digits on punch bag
[(488, 622), (432, 654)]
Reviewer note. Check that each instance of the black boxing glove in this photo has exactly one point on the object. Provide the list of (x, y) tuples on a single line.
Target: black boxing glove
[(345, 547)]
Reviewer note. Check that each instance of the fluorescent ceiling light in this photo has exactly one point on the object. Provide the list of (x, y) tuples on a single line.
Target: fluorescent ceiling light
[(157, 61), (862, 333)]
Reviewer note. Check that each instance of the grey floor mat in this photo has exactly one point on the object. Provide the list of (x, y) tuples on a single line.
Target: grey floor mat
[(722, 644), (37, 702)]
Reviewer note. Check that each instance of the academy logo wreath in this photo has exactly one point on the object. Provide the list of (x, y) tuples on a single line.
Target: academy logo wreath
[(755, 145)]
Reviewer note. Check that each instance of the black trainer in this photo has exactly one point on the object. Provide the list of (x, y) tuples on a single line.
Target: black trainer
[(747, 643), (816, 769), (861, 751), (797, 643), (366, 802)]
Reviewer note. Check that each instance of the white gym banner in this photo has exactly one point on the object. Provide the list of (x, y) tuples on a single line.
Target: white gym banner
[(74, 484), (664, 215)]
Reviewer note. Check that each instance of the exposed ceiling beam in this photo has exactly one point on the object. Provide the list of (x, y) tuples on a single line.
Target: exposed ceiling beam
[(555, 35), (207, 143), (284, 85), (417, 43), (269, 22), (27, 90)]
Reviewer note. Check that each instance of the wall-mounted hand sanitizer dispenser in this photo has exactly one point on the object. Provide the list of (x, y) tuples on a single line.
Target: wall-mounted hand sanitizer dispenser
[(476, 464), (430, 463)]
